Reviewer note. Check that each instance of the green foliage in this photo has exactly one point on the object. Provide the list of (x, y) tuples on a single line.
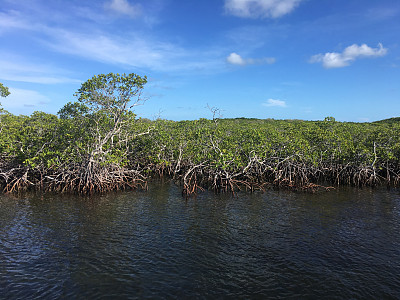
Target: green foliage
[(73, 110), (329, 119), (4, 92), (231, 143), (92, 132), (389, 121), (111, 92), (100, 132), (104, 111)]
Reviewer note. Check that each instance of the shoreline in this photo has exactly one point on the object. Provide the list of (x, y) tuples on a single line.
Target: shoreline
[(46, 153)]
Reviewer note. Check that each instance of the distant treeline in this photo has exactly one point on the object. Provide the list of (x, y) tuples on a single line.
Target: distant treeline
[(97, 144), (232, 154)]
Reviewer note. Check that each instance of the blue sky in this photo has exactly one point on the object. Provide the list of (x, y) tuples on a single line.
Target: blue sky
[(282, 59)]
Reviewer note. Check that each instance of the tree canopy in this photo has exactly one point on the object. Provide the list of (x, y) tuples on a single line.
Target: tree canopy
[(111, 92), (97, 144), (4, 92)]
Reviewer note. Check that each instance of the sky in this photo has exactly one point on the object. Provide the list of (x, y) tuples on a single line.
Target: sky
[(281, 59)]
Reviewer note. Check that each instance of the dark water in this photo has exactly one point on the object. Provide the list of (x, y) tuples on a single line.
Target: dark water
[(342, 244)]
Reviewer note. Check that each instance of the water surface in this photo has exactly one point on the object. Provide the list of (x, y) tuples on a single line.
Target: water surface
[(155, 244)]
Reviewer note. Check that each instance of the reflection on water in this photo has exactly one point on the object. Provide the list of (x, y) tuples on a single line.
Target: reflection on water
[(341, 244)]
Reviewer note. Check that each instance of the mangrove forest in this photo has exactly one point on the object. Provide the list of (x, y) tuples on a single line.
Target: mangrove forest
[(98, 144)]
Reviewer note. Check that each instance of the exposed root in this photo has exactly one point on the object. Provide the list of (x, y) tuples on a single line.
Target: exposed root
[(75, 180)]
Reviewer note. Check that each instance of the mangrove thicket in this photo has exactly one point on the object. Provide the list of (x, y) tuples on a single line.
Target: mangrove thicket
[(98, 144)]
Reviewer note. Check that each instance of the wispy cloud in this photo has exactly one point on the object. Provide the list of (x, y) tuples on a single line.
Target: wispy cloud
[(123, 7), (382, 13), (128, 48), (274, 102), (106, 42), (236, 59), (23, 101), (350, 54), (260, 8), (12, 20), (131, 50), (14, 68)]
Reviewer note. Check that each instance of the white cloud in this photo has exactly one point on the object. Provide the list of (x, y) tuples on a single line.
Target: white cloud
[(14, 68), (12, 20), (350, 54), (127, 47), (21, 101), (236, 59), (123, 7), (274, 102), (132, 50), (260, 8)]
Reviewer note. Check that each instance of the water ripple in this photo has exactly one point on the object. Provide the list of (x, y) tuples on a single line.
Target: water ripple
[(136, 245)]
